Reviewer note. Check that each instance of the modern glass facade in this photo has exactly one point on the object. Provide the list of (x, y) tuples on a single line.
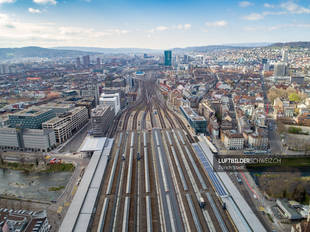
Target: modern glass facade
[(198, 123), (168, 57), (30, 118)]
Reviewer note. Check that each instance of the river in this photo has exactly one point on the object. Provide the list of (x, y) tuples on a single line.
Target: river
[(33, 186)]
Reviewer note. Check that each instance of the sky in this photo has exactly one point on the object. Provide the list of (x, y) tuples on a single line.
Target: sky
[(157, 24)]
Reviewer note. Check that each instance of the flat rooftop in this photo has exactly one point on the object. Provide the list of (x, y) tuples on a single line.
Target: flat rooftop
[(190, 113), (99, 111), (31, 112)]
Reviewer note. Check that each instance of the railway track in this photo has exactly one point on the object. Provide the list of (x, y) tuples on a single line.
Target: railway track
[(155, 182)]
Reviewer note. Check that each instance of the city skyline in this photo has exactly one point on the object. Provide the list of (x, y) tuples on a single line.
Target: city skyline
[(152, 24)]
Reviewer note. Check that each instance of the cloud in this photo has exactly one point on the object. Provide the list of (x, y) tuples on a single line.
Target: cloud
[(186, 26), (245, 4), (286, 8), (259, 16), (20, 33), (267, 5), (158, 28), (294, 8), (6, 1), (161, 28), (34, 11), (277, 27), (253, 17), (221, 23), (53, 2)]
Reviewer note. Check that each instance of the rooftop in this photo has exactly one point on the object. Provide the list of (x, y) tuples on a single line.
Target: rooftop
[(99, 110), (32, 112), (190, 113)]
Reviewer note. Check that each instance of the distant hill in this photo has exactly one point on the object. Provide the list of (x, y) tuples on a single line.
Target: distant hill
[(154, 51), (111, 50), (31, 52), (62, 52), (300, 44), (204, 48)]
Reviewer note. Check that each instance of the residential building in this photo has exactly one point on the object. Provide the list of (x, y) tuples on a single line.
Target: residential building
[(214, 128), (233, 140), (258, 140), (303, 119), (22, 221), (206, 109)]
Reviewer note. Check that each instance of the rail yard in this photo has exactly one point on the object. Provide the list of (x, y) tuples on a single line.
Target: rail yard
[(154, 181)]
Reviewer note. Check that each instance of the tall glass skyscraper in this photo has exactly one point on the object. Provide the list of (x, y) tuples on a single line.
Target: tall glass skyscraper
[(168, 56)]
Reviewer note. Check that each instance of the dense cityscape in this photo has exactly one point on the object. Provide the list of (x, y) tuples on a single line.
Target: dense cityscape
[(125, 141), (154, 116)]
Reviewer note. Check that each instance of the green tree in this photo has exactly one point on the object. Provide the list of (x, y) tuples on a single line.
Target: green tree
[(294, 97), (294, 130)]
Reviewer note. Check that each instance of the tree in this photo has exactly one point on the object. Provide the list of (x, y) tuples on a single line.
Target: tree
[(294, 97), (294, 130)]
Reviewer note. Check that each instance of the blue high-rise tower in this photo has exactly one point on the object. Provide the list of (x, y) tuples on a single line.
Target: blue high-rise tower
[(168, 56)]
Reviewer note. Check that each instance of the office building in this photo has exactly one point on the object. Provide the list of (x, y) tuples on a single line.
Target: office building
[(198, 123), (298, 79), (58, 108), (68, 123), (78, 62), (31, 118), (91, 90), (27, 139), (101, 118), (130, 82), (284, 55), (112, 99), (280, 70), (185, 59), (168, 58), (266, 65), (41, 140), (86, 61), (4, 69), (98, 63), (264, 61)]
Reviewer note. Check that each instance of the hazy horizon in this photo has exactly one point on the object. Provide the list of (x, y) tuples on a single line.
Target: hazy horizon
[(150, 24)]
